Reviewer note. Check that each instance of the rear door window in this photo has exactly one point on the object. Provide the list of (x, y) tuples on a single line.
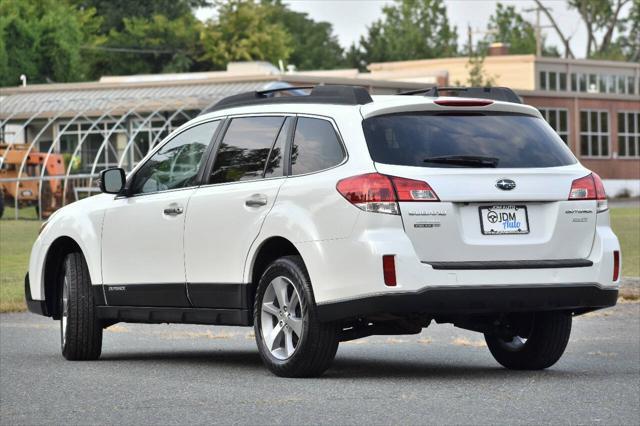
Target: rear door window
[(465, 140), (244, 153), (315, 146)]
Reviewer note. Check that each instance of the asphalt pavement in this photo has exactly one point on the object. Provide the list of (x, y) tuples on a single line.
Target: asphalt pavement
[(166, 374)]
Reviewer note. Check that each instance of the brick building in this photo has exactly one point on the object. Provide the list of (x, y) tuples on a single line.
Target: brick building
[(593, 105)]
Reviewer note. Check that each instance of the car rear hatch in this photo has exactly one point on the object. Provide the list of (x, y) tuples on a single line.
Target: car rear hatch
[(502, 181)]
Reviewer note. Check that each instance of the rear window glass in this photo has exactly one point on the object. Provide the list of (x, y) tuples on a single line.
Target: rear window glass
[(465, 140)]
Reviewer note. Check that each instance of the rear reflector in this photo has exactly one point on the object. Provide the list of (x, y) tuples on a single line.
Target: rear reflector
[(378, 193), (389, 269), (616, 265), (463, 102), (589, 187)]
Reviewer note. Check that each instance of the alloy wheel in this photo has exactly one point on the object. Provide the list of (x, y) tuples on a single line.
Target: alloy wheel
[(281, 318), (64, 311)]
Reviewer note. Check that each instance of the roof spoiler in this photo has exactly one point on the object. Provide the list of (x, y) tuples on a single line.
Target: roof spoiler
[(503, 94), (329, 94)]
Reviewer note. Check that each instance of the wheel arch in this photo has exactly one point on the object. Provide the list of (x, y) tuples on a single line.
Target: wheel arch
[(52, 269), (269, 250)]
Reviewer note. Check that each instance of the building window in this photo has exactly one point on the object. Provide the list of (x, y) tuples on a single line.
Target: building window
[(554, 81), (621, 84), (629, 134), (562, 79), (599, 83), (86, 140), (594, 133), (543, 80), (583, 82), (558, 119)]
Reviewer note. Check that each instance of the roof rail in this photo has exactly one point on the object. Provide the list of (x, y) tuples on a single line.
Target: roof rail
[(495, 93), (329, 94)]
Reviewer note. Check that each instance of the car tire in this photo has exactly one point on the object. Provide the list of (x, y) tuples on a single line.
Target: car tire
[(80, 329), (291, 340), (540, 347)]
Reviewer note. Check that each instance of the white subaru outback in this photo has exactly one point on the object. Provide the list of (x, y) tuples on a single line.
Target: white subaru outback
[(332, 216)]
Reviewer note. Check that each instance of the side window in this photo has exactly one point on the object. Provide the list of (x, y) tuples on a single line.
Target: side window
[(177, 163), (315, 146), (245, 148)]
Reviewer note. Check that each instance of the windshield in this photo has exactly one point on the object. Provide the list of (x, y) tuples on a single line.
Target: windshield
[(465, 140)]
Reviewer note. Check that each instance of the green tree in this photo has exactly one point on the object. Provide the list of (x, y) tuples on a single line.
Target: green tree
[(148, 46), (478, 77), (410, 29), (629, 43), (243, 31), (42, 39), (602, 20), (313, 44), (114, 13), (508, 26)]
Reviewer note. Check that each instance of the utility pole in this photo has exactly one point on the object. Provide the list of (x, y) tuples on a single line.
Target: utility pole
[(471, 32), (538, 27)]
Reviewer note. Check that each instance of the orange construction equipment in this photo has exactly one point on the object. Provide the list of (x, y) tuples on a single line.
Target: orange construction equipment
[(27, 191)]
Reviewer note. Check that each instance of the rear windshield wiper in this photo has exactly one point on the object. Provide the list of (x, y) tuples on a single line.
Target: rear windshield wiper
[(464, 160)]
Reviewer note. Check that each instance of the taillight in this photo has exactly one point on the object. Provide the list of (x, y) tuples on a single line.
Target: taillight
[(372, 192), (589, 187), (616, 265), (389, 270), (413, 190), (378, 193)]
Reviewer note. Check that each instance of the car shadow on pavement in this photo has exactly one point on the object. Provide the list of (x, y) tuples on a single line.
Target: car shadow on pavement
[(239, 358), (348, 367)]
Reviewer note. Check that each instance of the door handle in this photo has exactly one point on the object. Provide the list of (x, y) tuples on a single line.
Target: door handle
[(173, 211), (256, 200)]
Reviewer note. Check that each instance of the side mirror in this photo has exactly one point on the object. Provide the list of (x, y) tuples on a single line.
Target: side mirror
[(112, 180)]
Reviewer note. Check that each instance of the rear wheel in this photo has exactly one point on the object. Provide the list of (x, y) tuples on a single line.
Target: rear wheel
[(291, 340), (539, 343), (80, 330)]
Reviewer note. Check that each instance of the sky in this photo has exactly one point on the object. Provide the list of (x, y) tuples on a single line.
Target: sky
[(350, 18)]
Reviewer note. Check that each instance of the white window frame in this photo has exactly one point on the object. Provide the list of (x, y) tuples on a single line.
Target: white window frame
[(626, 137), (597, 133), (546, 111)]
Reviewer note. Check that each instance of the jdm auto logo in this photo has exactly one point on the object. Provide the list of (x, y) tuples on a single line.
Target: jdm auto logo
[(492, 216), (505, 184)]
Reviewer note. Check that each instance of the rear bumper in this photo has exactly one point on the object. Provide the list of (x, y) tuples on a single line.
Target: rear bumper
[(578, 298), (35, 306)]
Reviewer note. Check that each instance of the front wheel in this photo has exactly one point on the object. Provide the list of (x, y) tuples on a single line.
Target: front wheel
[(539, 343), (80, 329), (291, 340)]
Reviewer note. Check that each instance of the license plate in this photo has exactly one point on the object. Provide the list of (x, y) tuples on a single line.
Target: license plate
[(501, 220)]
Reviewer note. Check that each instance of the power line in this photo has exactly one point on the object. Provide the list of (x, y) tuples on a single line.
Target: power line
[(128, 49)]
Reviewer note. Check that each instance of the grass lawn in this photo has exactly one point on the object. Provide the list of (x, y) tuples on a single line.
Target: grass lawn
[(626, 224), (16, 238)]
